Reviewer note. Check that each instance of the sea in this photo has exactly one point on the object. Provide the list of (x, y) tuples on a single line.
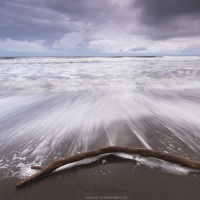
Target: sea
[(52, 107)]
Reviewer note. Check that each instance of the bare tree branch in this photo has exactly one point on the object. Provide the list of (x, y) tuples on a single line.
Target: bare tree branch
[(45, 170)]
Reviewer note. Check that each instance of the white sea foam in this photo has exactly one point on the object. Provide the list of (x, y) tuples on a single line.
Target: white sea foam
[(98, 73), (38, 126), (25, 170), (162, 165), (52, 107), (153, 163)]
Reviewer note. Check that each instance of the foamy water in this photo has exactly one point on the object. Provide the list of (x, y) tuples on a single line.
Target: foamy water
[(53, 107), (98, 73), (153, 163)]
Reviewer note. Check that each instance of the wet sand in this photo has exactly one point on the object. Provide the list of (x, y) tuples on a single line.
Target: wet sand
[(45, 128), (108, 178)]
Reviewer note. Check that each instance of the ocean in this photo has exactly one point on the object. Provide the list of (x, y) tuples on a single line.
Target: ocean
[(52, 107)]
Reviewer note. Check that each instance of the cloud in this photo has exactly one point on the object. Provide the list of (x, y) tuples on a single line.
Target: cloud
[(112, 41), (154, 11), (31, 20), (69, 41), (23, 46), (108, 26), (39, 20), (135, 45), (169, 18), (94, 10)]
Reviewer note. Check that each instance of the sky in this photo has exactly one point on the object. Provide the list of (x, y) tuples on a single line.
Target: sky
[(99, 27)]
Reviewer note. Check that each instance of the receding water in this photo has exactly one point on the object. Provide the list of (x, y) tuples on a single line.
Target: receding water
[(53, 107)]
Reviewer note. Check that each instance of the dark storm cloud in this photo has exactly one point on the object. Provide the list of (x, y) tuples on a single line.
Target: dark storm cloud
[(84, 9), (30, 20), (155, 11), (75, 8), (170, 18), (42, 19), (93, 22)]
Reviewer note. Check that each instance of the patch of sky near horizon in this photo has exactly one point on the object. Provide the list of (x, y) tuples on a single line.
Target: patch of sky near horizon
[(53, 107)]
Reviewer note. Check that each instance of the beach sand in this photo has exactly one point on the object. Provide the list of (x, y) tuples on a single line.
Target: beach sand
[(164, 129), (108, 178)]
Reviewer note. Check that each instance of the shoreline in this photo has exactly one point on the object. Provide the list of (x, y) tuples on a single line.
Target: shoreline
[(43, 128), (114, 178)]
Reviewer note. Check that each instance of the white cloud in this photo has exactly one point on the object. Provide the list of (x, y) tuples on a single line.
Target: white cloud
[(104, 45), (135, 44), (114, 45), (23, 46), (174, 46), (69, 41), (112, 40)]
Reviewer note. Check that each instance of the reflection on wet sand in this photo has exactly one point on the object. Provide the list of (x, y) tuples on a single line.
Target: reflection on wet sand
[(41, 127)]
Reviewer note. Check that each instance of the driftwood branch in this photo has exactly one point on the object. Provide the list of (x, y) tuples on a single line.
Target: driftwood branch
[(45, 170)]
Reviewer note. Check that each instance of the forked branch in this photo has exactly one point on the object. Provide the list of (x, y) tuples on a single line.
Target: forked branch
[(45, 170)]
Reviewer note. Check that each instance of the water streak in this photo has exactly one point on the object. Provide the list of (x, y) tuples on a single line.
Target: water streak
[(53, 107)]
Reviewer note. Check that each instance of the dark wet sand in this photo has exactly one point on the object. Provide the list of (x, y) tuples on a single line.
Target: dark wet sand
[(115, 179)]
